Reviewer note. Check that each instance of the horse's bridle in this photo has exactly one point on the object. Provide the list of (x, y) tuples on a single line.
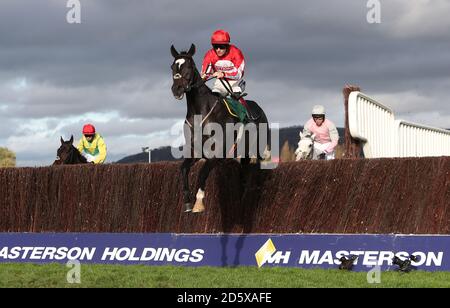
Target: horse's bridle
[(191, 84), (311, 152)]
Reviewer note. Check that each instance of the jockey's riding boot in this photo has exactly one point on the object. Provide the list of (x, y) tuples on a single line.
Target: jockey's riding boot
[(219, 94), (250, 116)]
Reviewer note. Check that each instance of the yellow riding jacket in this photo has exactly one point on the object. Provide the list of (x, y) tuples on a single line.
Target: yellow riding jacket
[(95, 148)]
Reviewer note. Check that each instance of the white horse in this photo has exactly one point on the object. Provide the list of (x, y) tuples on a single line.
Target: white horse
[(306, 148)]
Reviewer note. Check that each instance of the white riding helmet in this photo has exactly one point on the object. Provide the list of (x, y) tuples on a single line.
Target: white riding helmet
[(318, 110)]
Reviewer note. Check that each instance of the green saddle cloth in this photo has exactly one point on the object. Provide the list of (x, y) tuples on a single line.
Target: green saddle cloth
[(237, 108)]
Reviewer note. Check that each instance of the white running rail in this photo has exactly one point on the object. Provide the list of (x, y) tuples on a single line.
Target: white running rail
[(415, 140), (383, 136)]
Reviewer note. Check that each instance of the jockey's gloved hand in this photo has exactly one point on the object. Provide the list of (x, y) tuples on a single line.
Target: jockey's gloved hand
[(219, 75)]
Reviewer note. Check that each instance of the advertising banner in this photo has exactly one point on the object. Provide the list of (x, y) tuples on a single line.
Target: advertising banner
[(429, 253)]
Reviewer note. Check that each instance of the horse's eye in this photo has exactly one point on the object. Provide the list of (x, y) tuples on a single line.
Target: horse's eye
[(310, 145)]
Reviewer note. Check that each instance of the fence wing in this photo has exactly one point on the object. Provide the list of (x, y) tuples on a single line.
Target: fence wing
[(374, 124)]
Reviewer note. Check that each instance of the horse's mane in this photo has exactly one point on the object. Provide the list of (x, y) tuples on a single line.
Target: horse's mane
[(76, 156), (73, 156)]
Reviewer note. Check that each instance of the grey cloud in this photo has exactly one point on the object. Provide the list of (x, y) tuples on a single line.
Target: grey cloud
[(120, 127), (7, 127), (319, 44), (117, 41), (135, 98)]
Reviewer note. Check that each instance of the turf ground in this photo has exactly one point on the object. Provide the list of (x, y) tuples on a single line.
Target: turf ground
[(54, 275)]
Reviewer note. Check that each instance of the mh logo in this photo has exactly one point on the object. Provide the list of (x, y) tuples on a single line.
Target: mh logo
[(269, 254)]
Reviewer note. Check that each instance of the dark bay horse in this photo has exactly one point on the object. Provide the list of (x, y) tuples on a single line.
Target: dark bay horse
[(203, 104), (67, 154)]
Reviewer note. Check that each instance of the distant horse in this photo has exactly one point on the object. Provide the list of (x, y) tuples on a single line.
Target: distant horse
[(202, 102), (67, 154)]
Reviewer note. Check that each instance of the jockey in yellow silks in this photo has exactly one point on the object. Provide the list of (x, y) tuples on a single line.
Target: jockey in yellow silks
[(92, 146)]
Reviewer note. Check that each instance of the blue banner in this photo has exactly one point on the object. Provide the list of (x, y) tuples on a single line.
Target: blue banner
[(431, 253)]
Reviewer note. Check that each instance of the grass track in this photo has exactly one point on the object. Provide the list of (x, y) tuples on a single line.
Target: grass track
[(54, 275)]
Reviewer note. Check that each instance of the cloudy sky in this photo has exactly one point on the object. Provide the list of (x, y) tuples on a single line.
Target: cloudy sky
[(113, 69)]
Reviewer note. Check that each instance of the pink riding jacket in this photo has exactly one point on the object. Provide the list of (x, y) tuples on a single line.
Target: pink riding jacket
[(326, 133)]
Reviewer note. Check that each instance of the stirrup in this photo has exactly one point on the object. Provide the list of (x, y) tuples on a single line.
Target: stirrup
[(237, 96), (241, 96)]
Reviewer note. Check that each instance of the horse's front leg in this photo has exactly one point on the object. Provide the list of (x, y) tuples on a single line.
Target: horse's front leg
[(185, 168), (199, 206)]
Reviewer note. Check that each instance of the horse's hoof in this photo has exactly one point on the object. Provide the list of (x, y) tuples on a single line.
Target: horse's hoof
[(198, 207), (187, 208)]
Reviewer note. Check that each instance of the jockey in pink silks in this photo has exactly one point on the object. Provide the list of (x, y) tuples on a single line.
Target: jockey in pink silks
[(326, 133)]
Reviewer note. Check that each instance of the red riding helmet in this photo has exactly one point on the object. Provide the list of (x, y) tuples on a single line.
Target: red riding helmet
[(220, 37), (88, 129)]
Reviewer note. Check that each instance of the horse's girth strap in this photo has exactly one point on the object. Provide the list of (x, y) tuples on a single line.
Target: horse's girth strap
[(204, 119)]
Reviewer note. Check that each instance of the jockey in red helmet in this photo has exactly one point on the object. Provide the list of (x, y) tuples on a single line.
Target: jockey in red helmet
[(225, 61), (92, 146)]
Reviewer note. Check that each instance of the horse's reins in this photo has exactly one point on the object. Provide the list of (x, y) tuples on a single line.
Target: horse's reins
[(226, 84), (198, 84), (194, 86), (191, 84), (311, 153)]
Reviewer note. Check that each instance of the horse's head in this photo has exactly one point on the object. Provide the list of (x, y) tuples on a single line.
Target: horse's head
[(305, 146), (65, 152), (183, 71)]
